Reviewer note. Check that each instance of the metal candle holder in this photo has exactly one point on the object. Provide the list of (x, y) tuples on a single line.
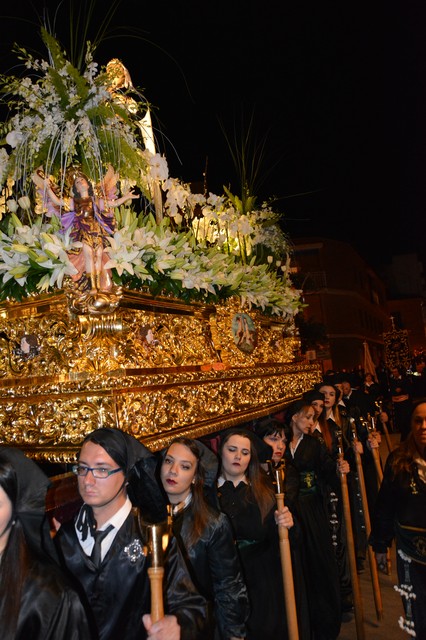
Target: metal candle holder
[(157, 537), (278, 474)]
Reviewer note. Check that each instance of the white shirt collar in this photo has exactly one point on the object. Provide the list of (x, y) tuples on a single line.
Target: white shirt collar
[(180, 506), (116, 520), (294, 447), (221, 480)]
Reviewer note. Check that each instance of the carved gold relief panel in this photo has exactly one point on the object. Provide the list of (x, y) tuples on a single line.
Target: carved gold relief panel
[(154, 368)]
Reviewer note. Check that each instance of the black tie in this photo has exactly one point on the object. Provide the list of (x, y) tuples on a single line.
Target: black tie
[(96, 551)]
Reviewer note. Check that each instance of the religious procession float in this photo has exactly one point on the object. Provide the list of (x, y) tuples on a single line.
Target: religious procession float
[(126, 299)]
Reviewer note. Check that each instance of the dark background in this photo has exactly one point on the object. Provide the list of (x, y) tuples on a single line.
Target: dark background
[(335, 92)]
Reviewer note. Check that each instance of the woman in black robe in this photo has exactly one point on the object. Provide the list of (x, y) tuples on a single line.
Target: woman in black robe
[(188, 472), (400, 514), (316, 468), (36, 601), (272, 432), (246, 495), (335, 421)]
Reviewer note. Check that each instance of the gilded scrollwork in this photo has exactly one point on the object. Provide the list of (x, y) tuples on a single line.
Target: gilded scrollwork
[(154, 368)]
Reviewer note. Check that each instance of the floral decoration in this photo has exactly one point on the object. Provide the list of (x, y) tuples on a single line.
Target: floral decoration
[(202, 247)]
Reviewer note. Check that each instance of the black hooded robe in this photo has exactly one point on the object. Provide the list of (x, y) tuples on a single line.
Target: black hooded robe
[(118, 592), (50, 609)]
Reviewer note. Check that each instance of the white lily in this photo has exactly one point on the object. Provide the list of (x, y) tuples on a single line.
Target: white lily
[(19, 248), (28, 235), (121, 260), (142, 273), (19, 273), (163, 261), (57, 272), (14, 265)]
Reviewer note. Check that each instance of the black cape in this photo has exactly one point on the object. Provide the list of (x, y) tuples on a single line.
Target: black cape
[(50, 609), (316, 468), (216, 570), (118, 592)]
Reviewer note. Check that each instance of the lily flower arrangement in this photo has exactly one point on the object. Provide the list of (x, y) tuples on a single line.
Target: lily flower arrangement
[(201, 247)]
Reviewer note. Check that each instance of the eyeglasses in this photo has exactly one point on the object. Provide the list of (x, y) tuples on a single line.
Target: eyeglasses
[(97, 472)]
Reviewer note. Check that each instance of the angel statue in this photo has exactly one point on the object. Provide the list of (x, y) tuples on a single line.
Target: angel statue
[(120, 86), (89, 213)]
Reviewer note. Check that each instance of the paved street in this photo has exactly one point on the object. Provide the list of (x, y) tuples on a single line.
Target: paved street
[(386, 629)]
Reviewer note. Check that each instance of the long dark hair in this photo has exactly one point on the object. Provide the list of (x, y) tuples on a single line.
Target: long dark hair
[(335, 408), (260, 484), (325, 430), (202, 512), (16, 558), (403, 456), (74, 192), (269, 427)]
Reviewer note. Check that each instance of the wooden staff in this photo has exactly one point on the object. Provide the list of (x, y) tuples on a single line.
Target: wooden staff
[(286, 564), (371, 427), (359, 614), (385, 428), (371, 557), (387, 437)]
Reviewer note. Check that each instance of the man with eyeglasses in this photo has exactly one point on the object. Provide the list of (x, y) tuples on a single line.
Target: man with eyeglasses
[(103, 548)]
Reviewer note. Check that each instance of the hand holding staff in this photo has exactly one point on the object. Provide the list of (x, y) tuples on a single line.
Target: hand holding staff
[(285, 553), (371, 426), (383, 417)]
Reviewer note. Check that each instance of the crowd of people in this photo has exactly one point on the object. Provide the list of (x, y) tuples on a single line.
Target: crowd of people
[(90, 577), (392, 387)]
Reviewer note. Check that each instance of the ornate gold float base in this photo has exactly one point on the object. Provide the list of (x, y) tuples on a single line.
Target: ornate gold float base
[(153, 367)]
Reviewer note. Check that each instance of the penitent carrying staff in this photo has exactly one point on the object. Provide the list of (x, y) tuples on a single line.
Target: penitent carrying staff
[(315, 467), (117, 484)]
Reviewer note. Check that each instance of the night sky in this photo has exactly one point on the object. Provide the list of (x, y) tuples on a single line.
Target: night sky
[(335, 94)]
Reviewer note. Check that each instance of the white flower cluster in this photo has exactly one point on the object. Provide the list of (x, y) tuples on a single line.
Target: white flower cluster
[(63, 117), (147, 252), (206, 246), (153, 250), (35, 245), (219, 222)]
